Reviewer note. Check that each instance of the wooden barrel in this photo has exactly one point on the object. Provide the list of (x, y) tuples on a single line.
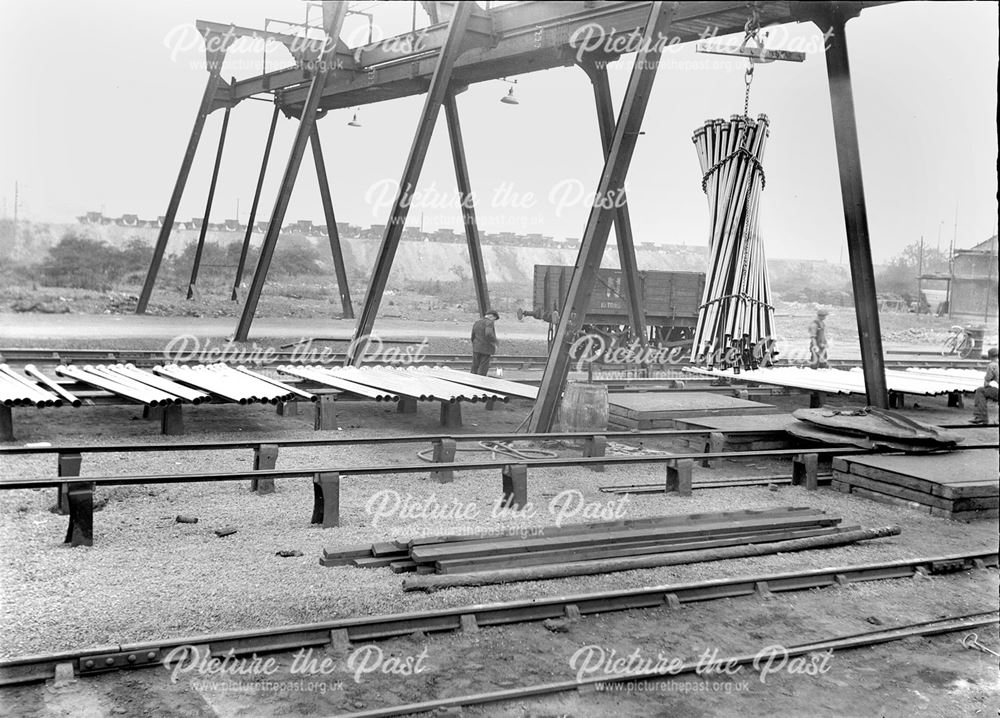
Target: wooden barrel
[(584, 407)]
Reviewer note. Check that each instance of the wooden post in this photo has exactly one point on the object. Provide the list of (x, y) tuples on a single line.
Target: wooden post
[(444, 452), (326, 414), (515, 486), (804, 470), (326, 499), (595, 446), (265, 457), (69, 465), (451, 414), (679, 476), (80, 531), (716, 444), (6, 424), (287, 408), (172, 421)]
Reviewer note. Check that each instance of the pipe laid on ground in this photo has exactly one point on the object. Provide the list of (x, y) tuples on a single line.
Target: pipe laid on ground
[(435, 582)]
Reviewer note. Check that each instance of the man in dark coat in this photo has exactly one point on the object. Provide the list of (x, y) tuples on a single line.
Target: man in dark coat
[(980, 414), (484, 342)]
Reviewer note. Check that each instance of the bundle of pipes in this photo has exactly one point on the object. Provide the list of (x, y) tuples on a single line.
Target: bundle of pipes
[(235, 384), (16, 390), (329, 377), (736, 311), (420, 386), (104, 378)]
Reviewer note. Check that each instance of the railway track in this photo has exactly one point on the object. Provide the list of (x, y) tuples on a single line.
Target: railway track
[(150, 357), (150, 654)]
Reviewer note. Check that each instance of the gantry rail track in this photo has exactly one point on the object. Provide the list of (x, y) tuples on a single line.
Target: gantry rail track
[(148, 654)]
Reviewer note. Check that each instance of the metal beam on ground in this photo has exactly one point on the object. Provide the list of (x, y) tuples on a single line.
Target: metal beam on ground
[(241, 265), (212, 87), (333, 21), (467, 203), (595, 236), (631, 284), (347, 310), (436, 94), (833, 17), (208, 206)]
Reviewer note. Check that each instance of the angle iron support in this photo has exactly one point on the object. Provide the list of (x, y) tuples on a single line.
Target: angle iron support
[(595, 236), (208, 206), (832, 18), (631, 285), (333, 22), (241, 265), (207, 106), (436, 93), (467, 203), (347, 310)]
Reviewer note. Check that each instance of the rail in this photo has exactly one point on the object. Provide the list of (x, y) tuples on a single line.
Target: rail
[(148, 654)]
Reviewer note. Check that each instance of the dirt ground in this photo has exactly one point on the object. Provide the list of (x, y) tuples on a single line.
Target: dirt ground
[(148, 577)]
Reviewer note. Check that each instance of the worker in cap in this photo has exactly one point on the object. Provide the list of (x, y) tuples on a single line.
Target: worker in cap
[(817, 340), (484, 342), (980, 414)]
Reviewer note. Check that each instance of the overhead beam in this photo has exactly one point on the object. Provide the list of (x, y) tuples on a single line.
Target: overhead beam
[(251, 220), (595, 236), (631, 282), (333, 23), (347, 310), (526, 37), (467, 201), (208, 206), (833, 17), (436, 94)]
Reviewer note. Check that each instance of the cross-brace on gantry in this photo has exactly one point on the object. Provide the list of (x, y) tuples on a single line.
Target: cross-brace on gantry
[(466, 44)]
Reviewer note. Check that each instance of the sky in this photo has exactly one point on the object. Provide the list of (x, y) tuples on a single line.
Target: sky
[(101, 96)]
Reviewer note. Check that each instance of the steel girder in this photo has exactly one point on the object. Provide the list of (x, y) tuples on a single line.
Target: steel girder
[(333, 22), (595, 236), (436, 95)]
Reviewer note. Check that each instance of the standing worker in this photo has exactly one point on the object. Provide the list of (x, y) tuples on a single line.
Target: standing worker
[(484, 342), (980, 414), (817, 340)]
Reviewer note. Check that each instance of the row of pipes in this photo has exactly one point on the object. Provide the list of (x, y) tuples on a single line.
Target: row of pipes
[(16, 390), (388, 384)]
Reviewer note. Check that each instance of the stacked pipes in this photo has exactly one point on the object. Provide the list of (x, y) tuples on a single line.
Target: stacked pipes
[(736, 311), (239, 385), (16, 390), (104, 378)]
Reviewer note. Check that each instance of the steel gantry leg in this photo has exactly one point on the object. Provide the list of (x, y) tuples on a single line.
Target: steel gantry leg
[(206, 107), (833, 16), (331, 225), (208, 206), (631, 285), (241, 265), (467, 203), (411, 174), (595, 236), (333, 21)]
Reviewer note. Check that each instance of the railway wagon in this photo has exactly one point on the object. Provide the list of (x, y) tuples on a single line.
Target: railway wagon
[(670, 301)]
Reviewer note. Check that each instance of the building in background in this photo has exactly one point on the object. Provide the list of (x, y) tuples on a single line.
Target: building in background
[(974, 283)]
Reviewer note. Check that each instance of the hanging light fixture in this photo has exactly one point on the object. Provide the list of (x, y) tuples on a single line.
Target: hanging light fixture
[(509, 98), (354, 120)]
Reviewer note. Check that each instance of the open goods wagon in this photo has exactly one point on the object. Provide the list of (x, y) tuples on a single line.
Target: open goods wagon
[(669, 299)]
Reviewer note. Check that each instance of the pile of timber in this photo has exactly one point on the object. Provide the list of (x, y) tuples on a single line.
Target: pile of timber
[(869, 428), (962, 486), (553, 552)]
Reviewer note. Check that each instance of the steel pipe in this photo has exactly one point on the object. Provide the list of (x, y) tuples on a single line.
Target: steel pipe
[(171, 387), (31, 370), (82, 375), (36, 395)]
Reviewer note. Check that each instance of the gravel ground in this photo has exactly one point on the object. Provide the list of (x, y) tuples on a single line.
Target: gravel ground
[(148, 577)]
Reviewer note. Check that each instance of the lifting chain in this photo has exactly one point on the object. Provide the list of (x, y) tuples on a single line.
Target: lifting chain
[(751, 32)]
